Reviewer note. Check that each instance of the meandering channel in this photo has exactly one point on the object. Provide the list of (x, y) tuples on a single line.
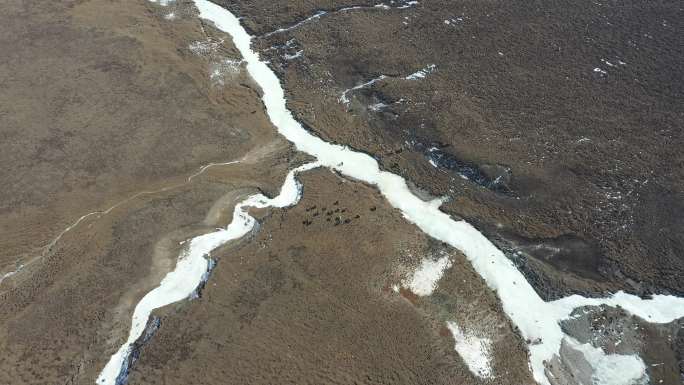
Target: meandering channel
[(537, 320), (190, 270)]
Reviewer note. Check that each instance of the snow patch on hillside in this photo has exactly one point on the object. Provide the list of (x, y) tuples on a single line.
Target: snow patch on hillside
[(425, 278), (475, 351)]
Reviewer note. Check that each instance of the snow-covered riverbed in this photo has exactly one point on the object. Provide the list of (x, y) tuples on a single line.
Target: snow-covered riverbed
[(537, 320), (191, 268)]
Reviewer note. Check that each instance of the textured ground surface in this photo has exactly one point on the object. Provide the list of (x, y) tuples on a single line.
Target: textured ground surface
[(575, 172), (309, 301), (574, 107), (102, 100)]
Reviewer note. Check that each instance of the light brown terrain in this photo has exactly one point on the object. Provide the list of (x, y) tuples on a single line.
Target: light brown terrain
[(310, 301), (106, 109), (103, 100)]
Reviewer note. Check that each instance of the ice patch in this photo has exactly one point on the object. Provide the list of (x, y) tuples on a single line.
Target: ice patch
[(612, 369), (408, 4), (223, 69), (293, 56), (475, 351), (163, 3), (600, 71), (377, 107), (206, 47), (606, 62), (454, 20), (424, 280)]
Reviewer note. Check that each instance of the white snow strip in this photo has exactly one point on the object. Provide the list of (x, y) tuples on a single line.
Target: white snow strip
[(345, 100), (191, 268), (315, 16), (537, 320), (659, 309), (422, 73), (210, 165), (425, 278), (320, 14), (475, 351), (11, 273)]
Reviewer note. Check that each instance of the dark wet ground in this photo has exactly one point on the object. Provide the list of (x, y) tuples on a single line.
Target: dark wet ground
[(616, 332), (552, 125)]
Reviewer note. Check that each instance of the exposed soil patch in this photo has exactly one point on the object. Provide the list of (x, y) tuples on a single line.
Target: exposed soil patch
[(101, 100)]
